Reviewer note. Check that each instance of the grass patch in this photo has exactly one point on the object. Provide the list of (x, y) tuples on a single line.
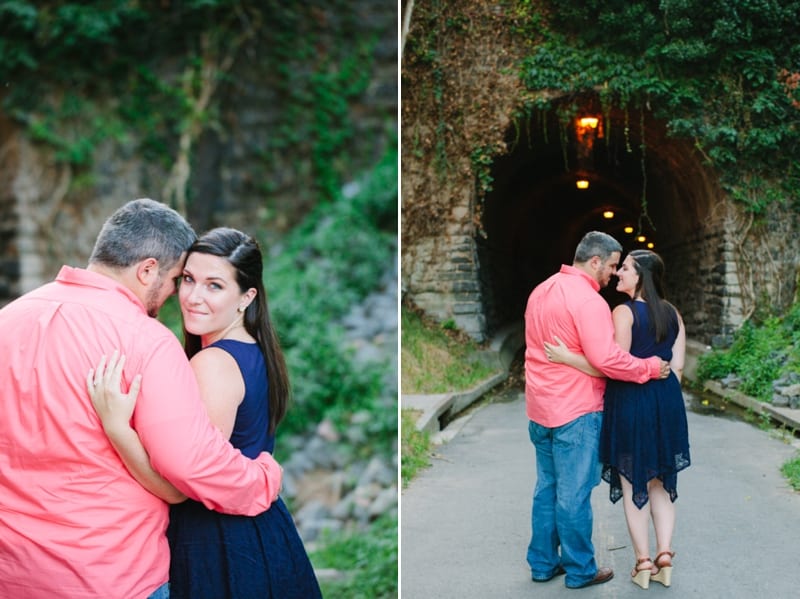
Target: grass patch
[(791, 470), (415, 447), (369, 562), (436, 358)]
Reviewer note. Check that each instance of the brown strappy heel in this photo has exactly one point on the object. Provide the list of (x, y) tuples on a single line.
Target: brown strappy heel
[(664, 574), (641, 576)]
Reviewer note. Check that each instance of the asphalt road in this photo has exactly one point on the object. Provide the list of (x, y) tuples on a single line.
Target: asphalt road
[(465, 521)]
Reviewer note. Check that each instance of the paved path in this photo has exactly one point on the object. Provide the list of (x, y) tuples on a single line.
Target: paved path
[(465, 521)]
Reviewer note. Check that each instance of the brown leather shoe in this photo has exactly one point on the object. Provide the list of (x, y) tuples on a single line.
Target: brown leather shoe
[(603, 575)]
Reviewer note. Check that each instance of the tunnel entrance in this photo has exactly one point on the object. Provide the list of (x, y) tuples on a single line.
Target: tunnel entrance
[(643, 188)]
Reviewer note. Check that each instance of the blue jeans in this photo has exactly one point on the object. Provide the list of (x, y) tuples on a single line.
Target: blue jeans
[(161, 592), (567, 469)]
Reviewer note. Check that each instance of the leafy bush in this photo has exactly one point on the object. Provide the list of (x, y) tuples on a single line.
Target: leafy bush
[(759, 354), (326, 266), (369, 562)]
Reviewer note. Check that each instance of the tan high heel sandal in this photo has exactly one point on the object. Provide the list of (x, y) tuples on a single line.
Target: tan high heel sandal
[(641, 576), (664, 574)]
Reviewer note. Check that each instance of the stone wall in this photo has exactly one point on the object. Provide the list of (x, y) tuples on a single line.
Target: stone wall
[(443, 276), (703, 259), (740, 267), (51, 215)]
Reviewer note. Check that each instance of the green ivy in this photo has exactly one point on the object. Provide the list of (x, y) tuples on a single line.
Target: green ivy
[(718, 72), (320, 68), (427, 49), (482, 160), (123, 60)]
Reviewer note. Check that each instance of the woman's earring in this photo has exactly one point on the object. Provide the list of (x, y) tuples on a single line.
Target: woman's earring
[(241, 308)]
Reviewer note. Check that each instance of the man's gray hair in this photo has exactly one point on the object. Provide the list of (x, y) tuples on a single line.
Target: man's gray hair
[(143, 229), (596, 243)]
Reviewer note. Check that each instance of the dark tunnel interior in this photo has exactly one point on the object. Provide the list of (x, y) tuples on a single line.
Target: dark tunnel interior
[(535, 214)]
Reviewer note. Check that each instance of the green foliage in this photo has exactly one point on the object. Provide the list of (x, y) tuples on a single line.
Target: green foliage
[(482, 160), (320, 68), (170, 316), (791, 470), (126, 64), (436, 358), (369, 562), (327, 265), (427, 49), (415, 447), (65, 62), (449, 325), (759, 354), (722, 73)]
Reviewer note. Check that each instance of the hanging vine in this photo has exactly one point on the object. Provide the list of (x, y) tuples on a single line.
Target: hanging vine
[(644, 214), (165, 65), (728, 80)]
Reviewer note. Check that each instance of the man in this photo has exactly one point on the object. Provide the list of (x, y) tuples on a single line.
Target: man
[(565, 406), (73, 522)]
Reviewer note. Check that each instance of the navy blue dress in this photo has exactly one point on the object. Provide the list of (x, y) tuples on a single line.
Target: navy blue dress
[(219, 556), (644, 433)]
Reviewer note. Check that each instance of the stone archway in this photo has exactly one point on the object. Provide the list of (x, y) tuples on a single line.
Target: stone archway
[(535, 215), (470, 260)]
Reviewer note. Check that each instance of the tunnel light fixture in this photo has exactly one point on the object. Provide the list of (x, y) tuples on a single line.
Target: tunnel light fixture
[(608, 214), (641, 239), (628, 229), (651, 245), (587, 130), (582, 184)]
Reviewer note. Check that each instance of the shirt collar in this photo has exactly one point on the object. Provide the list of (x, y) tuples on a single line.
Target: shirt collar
[(86, 278), (571, 270)]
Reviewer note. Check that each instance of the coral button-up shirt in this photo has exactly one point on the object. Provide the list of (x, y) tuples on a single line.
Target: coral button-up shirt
[(73, 522), (568, 306)]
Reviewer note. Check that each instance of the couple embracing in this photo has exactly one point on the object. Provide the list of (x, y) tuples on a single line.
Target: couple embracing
[(630, 428)]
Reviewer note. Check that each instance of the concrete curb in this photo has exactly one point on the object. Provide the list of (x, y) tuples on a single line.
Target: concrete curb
[(436, 407), (502, 349), (505, 345), (786, 416)]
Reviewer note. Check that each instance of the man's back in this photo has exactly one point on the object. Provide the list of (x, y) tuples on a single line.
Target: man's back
[(73, 522), (555, 393), (568, 306)]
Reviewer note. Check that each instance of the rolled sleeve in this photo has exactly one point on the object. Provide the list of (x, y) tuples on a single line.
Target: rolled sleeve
[(188, 450), (596, 331)]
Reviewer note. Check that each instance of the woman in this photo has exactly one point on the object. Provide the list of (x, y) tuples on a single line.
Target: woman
[(644, 439), (238, 362)]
